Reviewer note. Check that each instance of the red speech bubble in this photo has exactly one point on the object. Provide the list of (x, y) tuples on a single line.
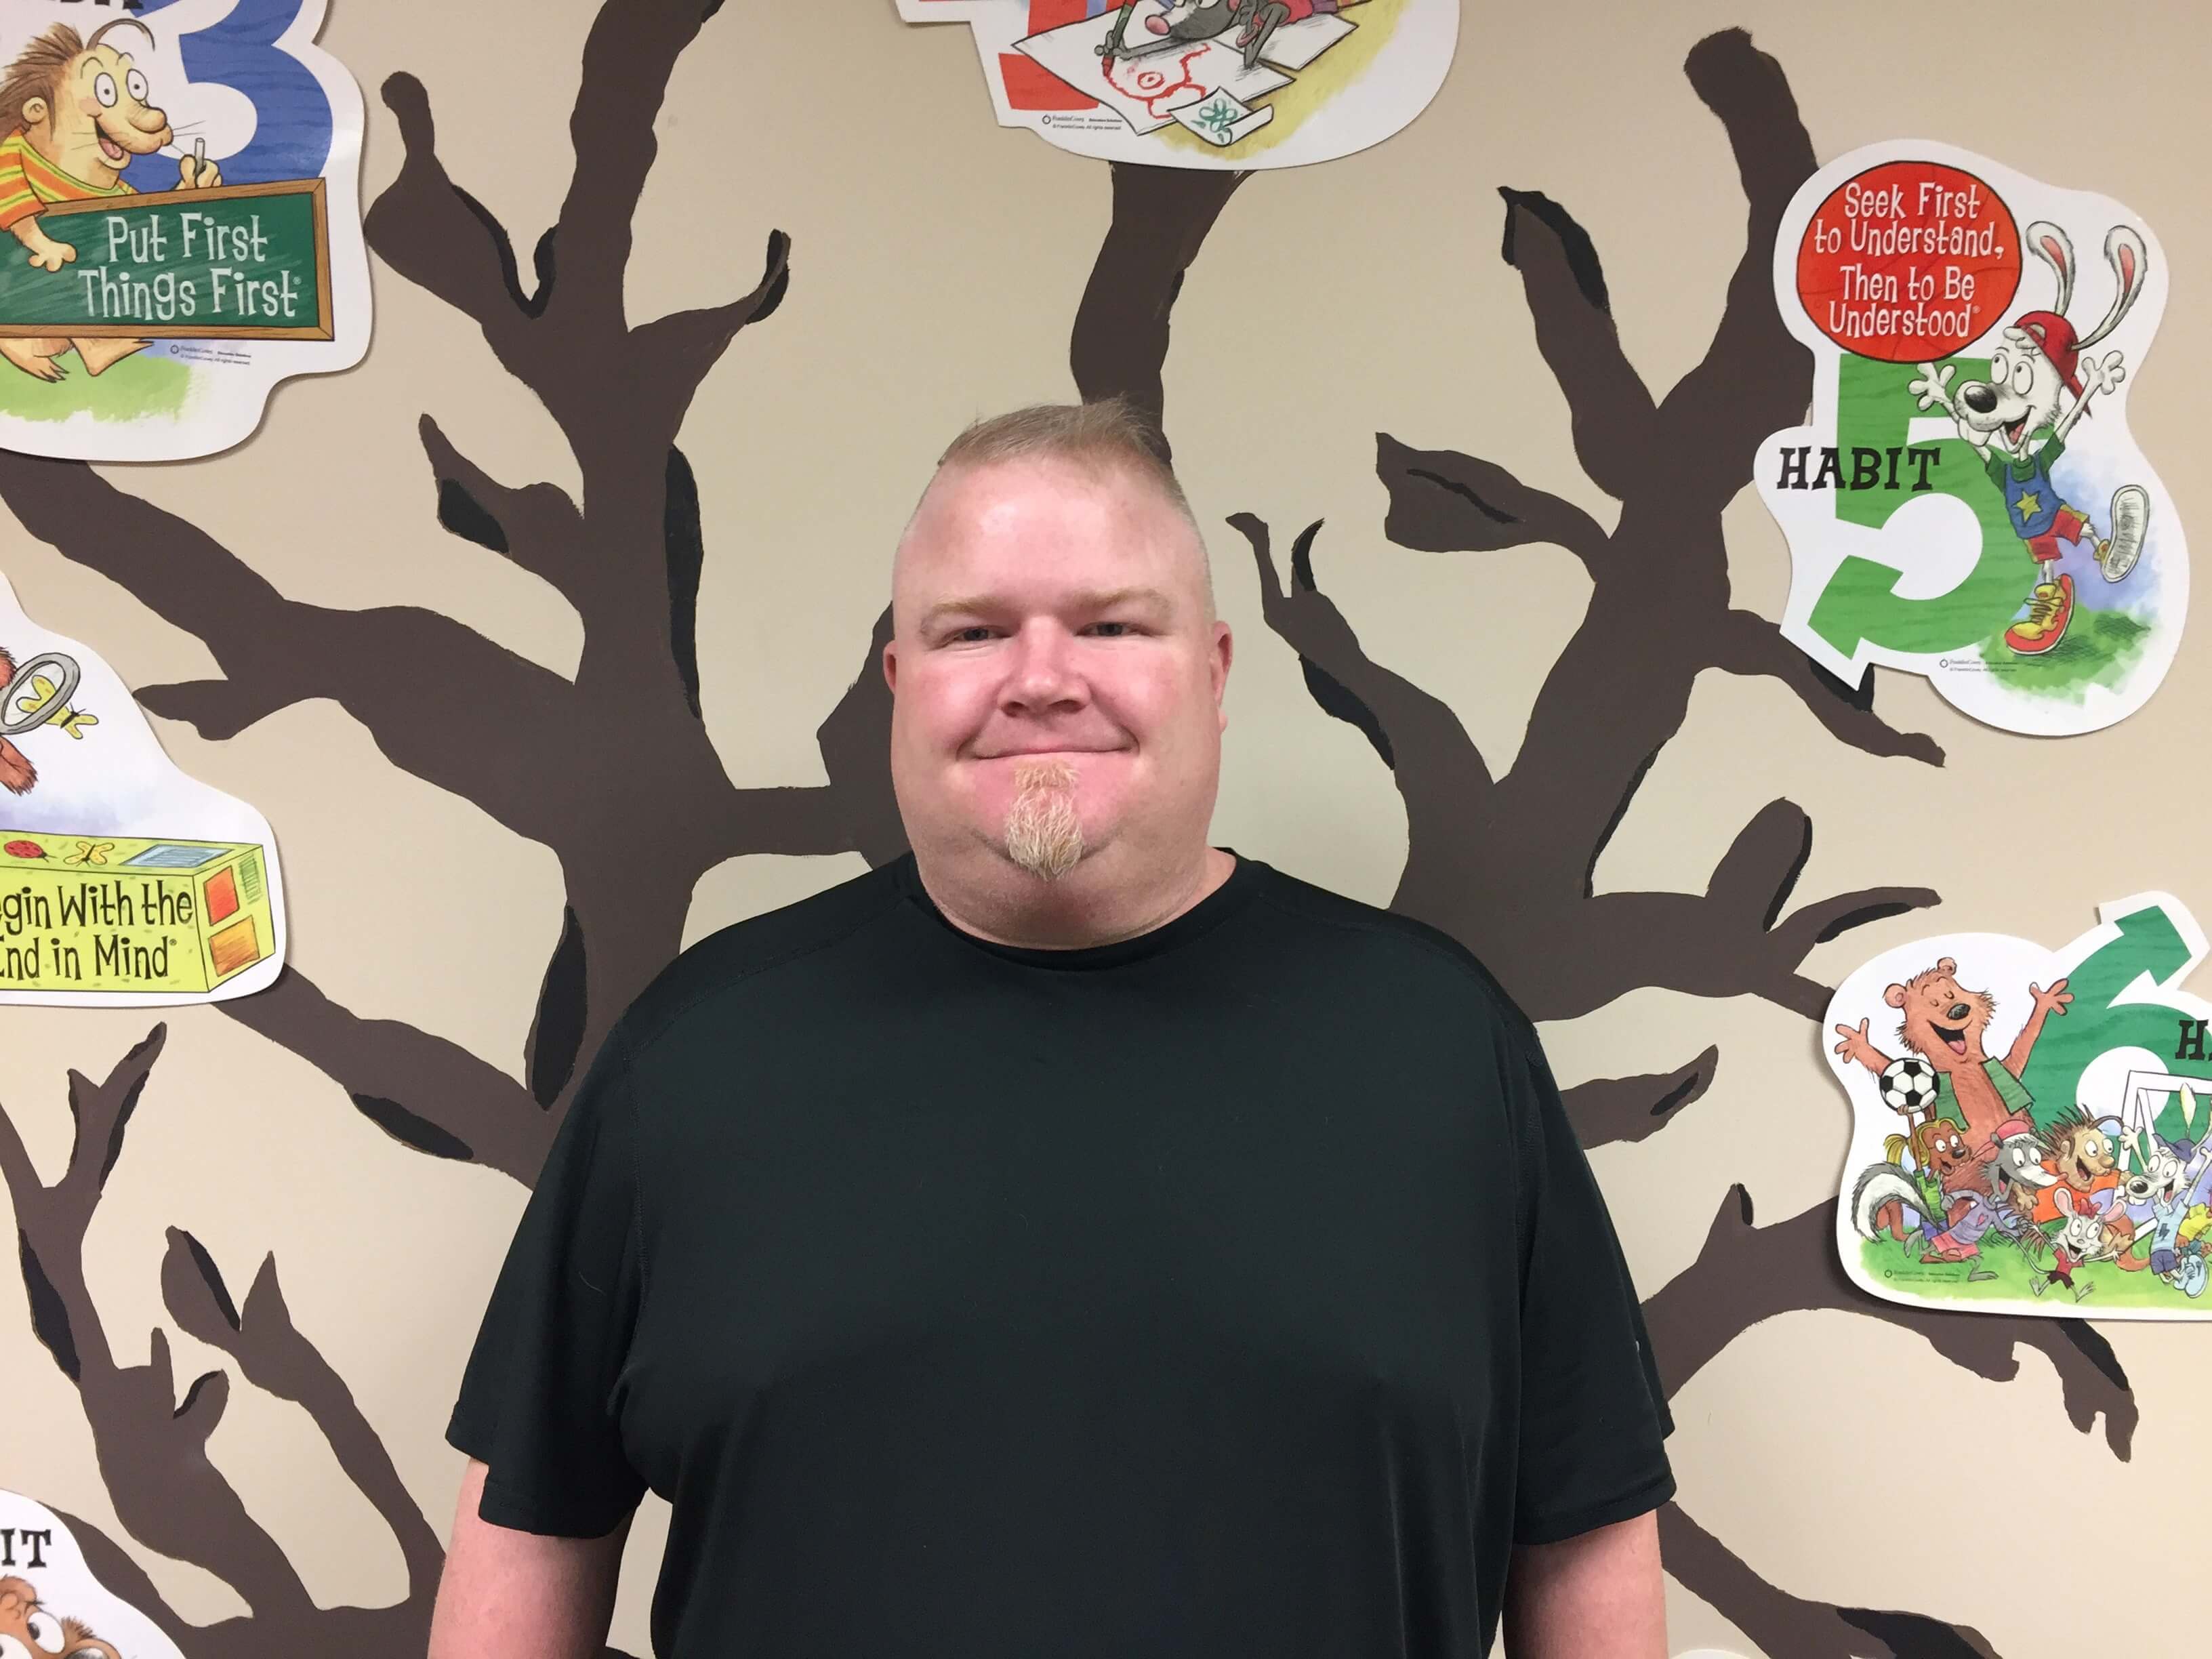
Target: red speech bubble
[(1908, 262)]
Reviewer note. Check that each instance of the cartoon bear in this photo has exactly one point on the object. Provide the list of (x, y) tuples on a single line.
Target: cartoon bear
[(1944, 1025)]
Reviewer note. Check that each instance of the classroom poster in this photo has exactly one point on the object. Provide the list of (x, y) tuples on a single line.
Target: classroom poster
[(1207, 83), (123, 881), (1968, 501), (179, 188), (2031, 1128)]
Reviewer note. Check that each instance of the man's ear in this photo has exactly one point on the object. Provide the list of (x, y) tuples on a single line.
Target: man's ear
[(1224, 652), (35, 111), (890, 665)]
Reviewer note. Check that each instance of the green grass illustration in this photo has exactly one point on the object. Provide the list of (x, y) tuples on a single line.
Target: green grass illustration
[(1899, 1267), (2100, 649), (137, 387)]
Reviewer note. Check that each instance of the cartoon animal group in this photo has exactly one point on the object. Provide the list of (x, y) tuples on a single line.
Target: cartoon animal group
[(1974, 1168)]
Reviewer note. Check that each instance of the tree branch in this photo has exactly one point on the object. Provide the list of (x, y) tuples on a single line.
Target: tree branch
[(687, 343), (443, 239), (1755, 377), (1161, 215), (1746, 1274), (629, 56), (1443, 501), (853, 740), (537, 526), (1746, 643), (1615, 424), (393, 668), (422, 1090), (152, 1451), (1349, 683), (277, 1359), (1783, 1623), (1607, 1110)]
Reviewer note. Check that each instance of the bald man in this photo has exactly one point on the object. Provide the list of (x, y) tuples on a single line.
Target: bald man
[(1072, 1238)]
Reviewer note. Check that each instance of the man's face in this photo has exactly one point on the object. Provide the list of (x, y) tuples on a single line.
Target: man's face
[(100, 116), (1049, 611)]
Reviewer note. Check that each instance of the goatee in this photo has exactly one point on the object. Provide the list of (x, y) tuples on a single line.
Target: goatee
[(1042, 835)]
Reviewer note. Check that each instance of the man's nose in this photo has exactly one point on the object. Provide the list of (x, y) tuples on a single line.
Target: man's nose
[(148, 119), (1044, 673)]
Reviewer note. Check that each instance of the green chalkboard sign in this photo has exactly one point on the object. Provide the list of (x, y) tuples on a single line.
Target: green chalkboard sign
[(240, 262)]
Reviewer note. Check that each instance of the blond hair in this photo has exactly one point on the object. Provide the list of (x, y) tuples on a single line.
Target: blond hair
[(1111, 432)]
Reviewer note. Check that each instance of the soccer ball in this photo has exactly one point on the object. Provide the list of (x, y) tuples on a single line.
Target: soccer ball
[(1908, 1085)]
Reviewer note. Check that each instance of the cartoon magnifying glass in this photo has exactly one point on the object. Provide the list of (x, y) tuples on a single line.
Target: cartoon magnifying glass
[(44, 700)]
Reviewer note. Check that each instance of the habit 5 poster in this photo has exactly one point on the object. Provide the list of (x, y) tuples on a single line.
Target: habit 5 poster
[(1969, 502)]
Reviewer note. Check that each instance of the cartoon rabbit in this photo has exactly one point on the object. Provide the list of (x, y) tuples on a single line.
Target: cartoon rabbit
[(2042, 377), (2080, 1240)]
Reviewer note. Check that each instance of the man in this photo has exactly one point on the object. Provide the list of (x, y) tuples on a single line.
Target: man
[(1072, 1238)]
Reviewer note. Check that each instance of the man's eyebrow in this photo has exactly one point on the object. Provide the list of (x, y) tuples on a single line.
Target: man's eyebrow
[(1106, 600), (945, 608)]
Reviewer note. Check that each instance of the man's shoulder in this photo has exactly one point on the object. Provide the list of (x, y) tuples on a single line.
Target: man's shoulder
[(1409, 950), (749, 951)]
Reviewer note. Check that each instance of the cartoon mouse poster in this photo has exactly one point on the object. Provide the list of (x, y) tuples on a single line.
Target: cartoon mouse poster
[(2031, 1129), (1968, 501), (1207, 83), (178, 182)]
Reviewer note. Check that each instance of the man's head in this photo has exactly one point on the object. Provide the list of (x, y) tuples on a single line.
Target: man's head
[(1057, 666), (82, 104)]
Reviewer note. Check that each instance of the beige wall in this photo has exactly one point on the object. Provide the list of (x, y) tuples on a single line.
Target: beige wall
[(937, 262)]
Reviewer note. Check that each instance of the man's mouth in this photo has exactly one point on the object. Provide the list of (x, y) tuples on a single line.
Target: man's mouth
[(1954, 1038), (2014, 431), (2085, 1174), (109, 147)]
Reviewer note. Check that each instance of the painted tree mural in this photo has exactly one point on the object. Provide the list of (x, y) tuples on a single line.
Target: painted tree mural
[(570, 764)]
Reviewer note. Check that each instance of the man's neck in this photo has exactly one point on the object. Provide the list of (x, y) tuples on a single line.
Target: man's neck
[(1091, 905)]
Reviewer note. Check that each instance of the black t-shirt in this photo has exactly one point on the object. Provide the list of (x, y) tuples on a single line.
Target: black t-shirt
[(1236, 1289)]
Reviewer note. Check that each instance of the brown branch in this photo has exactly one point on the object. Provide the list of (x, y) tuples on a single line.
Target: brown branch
[(1388, 707), (1161, 215), (422, 1090), (1783, 1623), (537, 526), (152, 1450), (1614, 423), (567, 339), (689, 342), (1746, 643), (443, 239), (393, 668), (1606, 1110), (629, 56), (118, 1573), (1745, 1274), (1443, 501), (1755, 377), (855, 742), (277, 1359)]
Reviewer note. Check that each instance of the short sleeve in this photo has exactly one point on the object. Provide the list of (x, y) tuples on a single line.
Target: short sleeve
[(537, 1399), (1593, 1417)]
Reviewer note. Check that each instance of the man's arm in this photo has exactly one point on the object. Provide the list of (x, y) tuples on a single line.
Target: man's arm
[(1599, 1592), (508, 1592)]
